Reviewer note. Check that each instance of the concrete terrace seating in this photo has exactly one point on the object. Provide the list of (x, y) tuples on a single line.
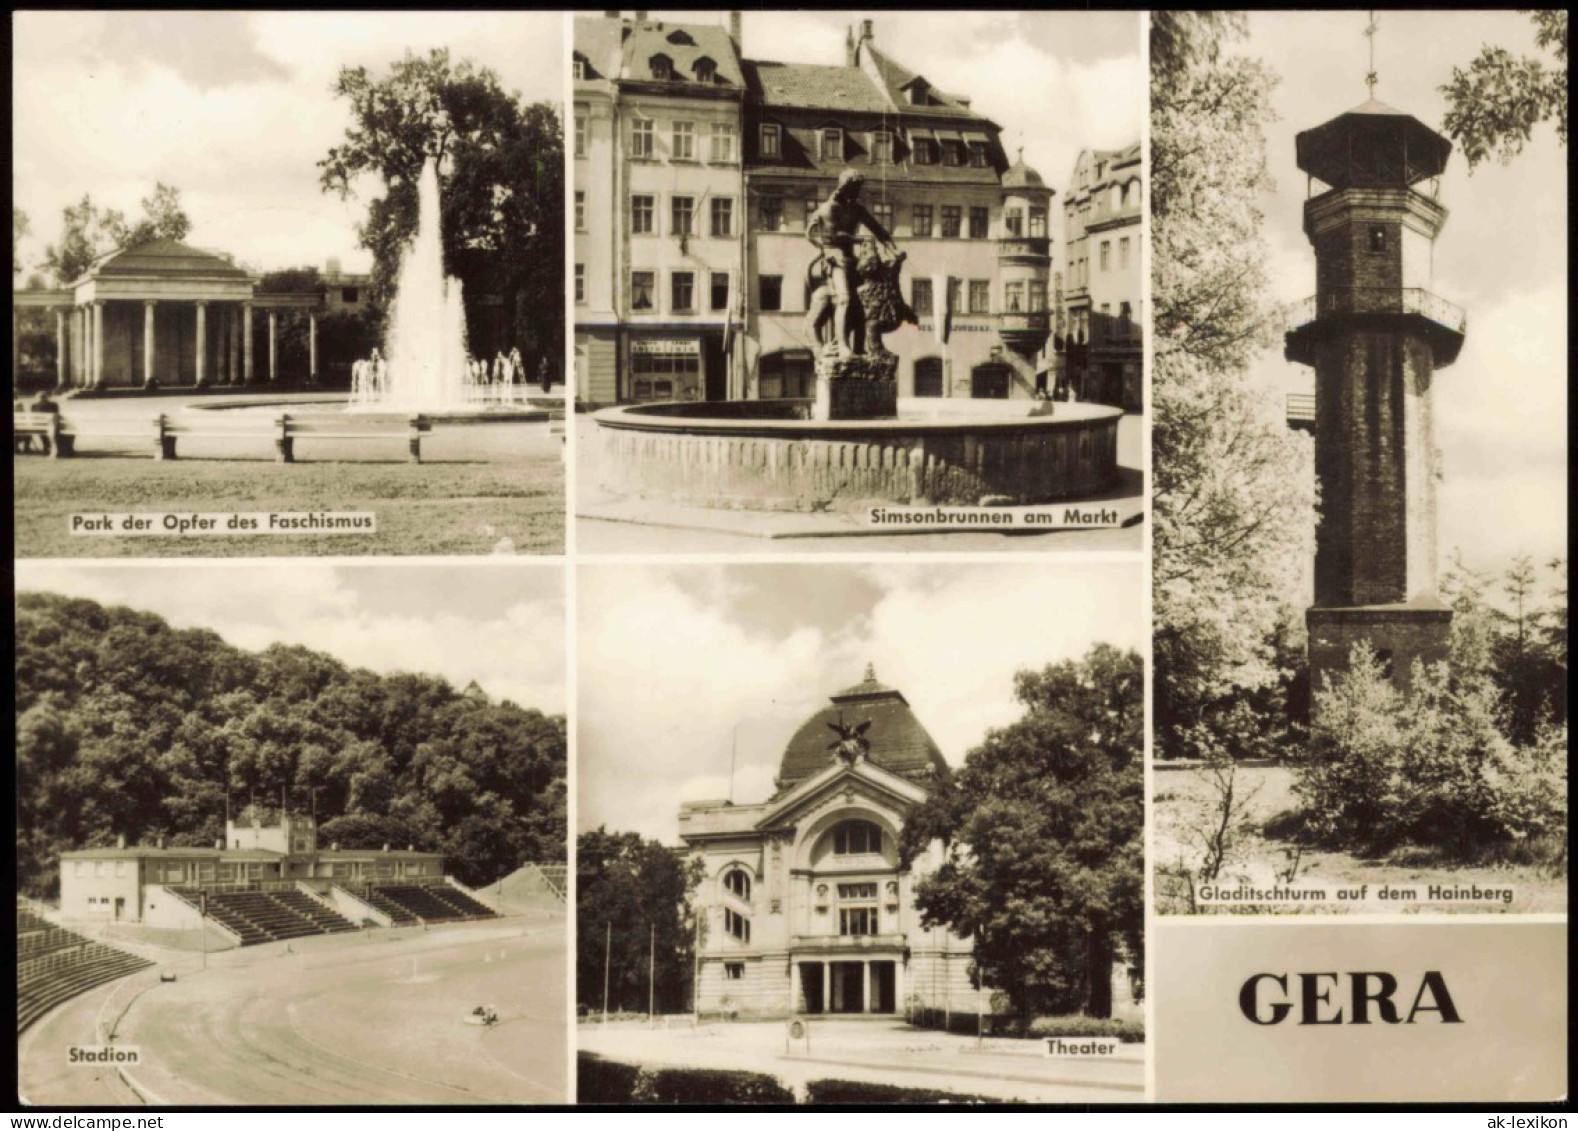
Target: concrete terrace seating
[(35, 943), (398, 914), (44, 981), (256, 917), (29, 920), (557, 877), (161, 433), (434, 903)]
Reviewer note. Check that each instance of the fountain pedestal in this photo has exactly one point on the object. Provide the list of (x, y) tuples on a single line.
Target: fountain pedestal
[(861, 387)]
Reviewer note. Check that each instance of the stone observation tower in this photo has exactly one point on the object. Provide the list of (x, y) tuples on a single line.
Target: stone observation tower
[(1376, 335)]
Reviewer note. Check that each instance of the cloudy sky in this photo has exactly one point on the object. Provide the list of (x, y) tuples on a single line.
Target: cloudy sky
[(233, 108), (678, 663), (502, 625), (1056, 82), (1501, 410)]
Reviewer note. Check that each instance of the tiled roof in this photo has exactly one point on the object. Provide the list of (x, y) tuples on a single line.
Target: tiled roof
[(813, 86), (897, 77), (598, 40), (166, 257), (899, 743), (659, 38)]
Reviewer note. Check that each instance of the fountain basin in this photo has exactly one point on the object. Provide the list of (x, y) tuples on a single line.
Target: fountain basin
[(535, 409), (768, 455)]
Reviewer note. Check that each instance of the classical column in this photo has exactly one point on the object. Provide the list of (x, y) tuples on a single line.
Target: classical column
[(865, 986), (98, 344), (246, 343), (232, 347), (147, 342), (827, 987), (273, 347), (62, 377), (312, 345), (202, 344)]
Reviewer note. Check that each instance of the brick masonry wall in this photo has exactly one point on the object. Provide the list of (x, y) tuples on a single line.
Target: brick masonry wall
[(851, 470), (1407, 634)]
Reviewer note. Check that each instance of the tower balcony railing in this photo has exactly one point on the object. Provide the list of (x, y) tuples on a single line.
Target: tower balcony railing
[(1377, 300)]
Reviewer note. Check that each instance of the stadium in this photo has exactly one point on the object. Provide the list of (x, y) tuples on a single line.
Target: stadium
[(264, 970)]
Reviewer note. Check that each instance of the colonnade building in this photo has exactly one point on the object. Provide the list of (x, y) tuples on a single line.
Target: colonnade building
[(165, 314)]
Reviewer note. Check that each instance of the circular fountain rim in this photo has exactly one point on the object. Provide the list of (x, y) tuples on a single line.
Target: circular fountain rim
[(688, 417), (512, 415)]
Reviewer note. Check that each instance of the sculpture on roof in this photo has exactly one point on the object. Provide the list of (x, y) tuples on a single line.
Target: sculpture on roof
[(852, 744)]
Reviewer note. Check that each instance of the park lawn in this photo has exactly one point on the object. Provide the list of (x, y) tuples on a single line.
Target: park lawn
[(1535, 890), (431, 508)]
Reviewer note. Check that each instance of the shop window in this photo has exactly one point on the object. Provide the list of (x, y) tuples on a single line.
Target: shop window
[(928, 377), (663, 376)]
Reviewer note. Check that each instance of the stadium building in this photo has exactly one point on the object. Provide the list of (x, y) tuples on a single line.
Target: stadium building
[(268, 880)]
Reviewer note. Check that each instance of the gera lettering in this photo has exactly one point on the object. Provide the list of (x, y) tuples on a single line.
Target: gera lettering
[(1265, 999)]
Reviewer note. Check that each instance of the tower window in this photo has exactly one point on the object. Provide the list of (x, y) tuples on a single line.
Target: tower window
[(1377, 238)]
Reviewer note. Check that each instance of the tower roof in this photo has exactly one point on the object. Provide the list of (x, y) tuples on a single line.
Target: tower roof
[(898, 741), (1373, 144), (166, 258), (1020, 175)]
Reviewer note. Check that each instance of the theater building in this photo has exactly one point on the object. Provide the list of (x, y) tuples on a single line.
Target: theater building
[(805, 905)]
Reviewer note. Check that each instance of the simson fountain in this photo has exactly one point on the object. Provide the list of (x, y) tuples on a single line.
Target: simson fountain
[(854, 444)]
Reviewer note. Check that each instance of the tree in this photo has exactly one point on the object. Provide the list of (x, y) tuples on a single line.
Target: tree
[(500, 163), (19, 230), (88, 232), (1232, 488), (1042, 835), (633, 907), (1494, 105)]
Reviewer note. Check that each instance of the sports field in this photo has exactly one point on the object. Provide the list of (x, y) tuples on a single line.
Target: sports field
[(373, 1018)]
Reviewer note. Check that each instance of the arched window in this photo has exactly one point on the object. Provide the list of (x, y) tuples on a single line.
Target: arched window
[(928, 377), (856, 838), (739, 883)]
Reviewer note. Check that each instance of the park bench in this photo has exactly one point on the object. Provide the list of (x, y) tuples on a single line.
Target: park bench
[(60, 435)]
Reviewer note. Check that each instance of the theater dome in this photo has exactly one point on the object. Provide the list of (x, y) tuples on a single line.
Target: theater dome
[(898, 741)]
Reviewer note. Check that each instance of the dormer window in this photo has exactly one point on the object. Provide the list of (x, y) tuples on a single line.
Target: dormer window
[(662, 67), (772, 140), (919, 95), (578, 68), (882, 148), (679, 37), (706, 70), (832, 140)]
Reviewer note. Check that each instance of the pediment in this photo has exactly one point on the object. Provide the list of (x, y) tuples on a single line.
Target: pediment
[(845, 785)]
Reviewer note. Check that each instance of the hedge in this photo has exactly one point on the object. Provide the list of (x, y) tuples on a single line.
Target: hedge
[(855, 1092), (608, 1082)]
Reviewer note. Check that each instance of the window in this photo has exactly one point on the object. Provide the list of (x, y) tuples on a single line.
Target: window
[(980, 296), (1377, 238), (1038, 223), (772, 208), (953, 153), (781, 376), (856, 838), (684, 141), (350, 294), (978, 222), (920, 297), (978, 154), (662, 67), (722, 143), (682, 215), (1014, 297), (857, 909), (1014, 222), (1106, 254), (641, 215), (771, 288), (578, 70), (641, 284), (720, 290), (882, 148), (580, 210), (832, 144), (1038, 295), (882, 213), (924, 150), (951, 214), (723, 217), (734, 971), (737, 925), (706, 70), (739, 884), (772, 141), (642, 131), (928, 377), (1125, 320), (656, 374), (580, 133), (1123, 252), (682, 292), (921, 219)]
